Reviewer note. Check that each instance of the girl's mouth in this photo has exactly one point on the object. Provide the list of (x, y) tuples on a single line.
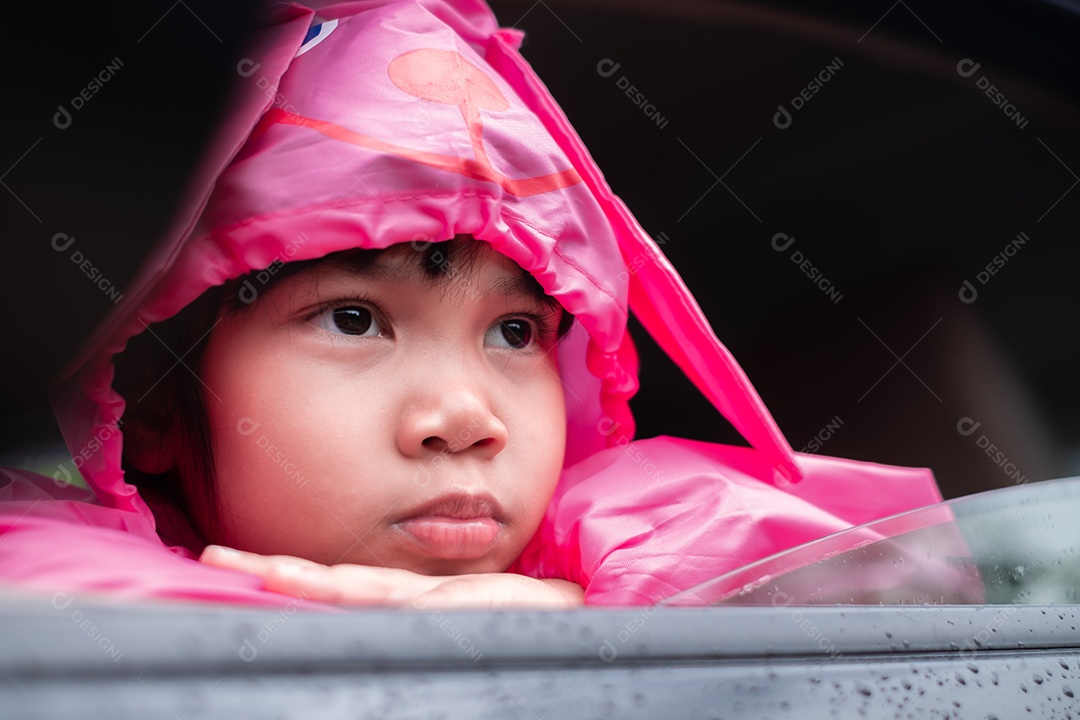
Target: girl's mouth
[(453, 527)]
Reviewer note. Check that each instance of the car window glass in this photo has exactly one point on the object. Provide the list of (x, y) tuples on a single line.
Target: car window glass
[(1012, 546)]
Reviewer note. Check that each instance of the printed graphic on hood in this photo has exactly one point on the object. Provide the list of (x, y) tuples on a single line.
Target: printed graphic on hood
[(440, 76)]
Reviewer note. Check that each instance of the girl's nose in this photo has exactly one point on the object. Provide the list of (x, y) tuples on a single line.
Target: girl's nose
[(454, 421)]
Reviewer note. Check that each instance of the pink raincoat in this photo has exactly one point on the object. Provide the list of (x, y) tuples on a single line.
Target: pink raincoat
[(385, 122)]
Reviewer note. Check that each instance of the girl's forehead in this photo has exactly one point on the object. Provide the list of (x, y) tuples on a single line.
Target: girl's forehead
[(448, 265)]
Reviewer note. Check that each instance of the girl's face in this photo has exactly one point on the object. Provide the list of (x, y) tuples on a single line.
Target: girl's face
[(378, 416)]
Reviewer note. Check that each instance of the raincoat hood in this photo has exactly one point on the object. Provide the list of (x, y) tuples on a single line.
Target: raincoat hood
[(392, 126), (379, 123)]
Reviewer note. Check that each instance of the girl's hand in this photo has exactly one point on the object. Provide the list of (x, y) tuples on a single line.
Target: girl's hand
[(364, 585)]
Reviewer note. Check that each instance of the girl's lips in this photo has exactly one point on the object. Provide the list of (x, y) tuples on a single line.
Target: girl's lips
[(449, 538), (453, 527)]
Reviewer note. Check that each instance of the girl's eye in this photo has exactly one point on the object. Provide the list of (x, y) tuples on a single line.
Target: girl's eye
[(352, 320), (514, 333)]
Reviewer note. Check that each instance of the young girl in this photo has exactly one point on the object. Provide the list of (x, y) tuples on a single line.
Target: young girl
[(392, 366)]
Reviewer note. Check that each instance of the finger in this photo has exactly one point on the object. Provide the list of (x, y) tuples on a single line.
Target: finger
[(359, 585), (232, 559), (505, 590)]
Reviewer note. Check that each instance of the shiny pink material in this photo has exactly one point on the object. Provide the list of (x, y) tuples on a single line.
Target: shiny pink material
[(416, 122)]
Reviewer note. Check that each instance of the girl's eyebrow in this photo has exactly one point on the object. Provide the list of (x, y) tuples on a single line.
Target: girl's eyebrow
[(507, 285), (373, 265), (518, 285)]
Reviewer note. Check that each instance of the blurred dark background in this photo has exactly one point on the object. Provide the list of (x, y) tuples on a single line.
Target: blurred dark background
[(899, 178), (829, 246), (107, 106)]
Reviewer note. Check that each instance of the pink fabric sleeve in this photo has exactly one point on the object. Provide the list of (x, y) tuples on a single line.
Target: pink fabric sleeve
[(55, 539)]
